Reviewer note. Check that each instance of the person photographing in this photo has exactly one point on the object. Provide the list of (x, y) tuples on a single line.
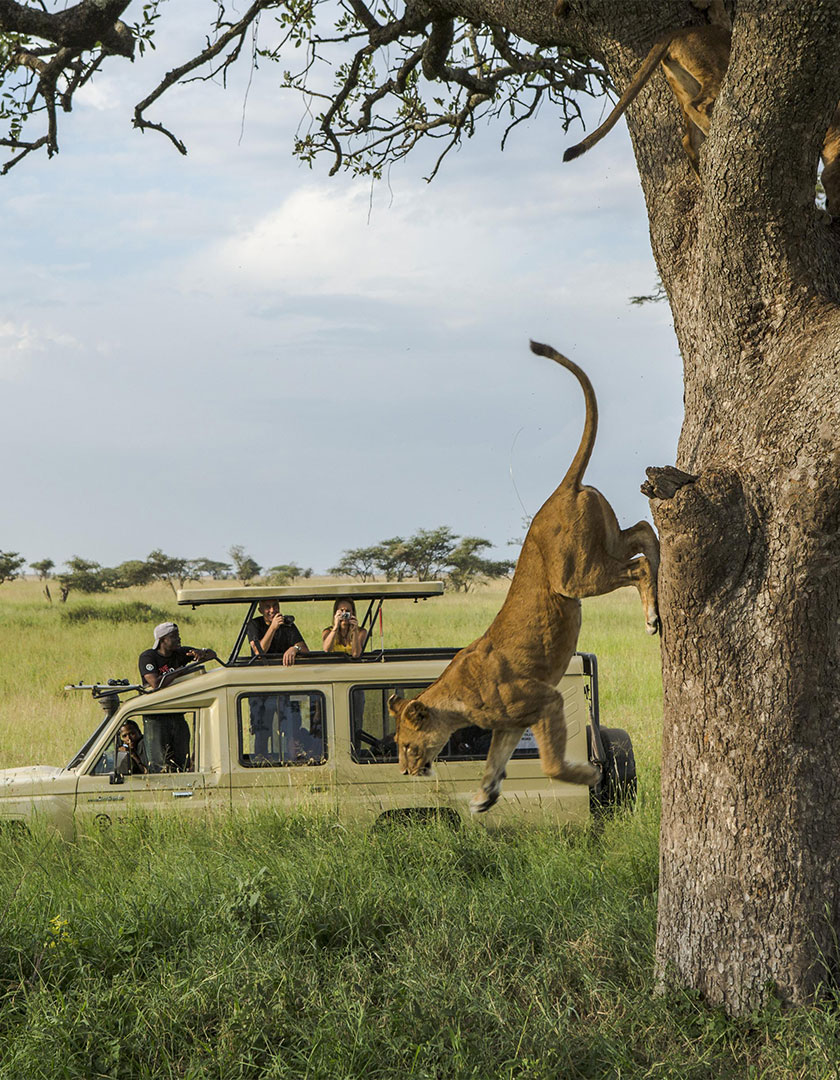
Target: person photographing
[(344, 635), (274, 634)]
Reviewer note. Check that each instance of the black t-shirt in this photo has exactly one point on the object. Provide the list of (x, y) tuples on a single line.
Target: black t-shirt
[(152, 663), (284, 637)]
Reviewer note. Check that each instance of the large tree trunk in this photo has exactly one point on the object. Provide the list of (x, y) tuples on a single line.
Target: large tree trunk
[(749, 897)]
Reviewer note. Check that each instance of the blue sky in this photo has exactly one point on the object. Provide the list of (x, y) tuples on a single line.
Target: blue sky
[(231, 348)]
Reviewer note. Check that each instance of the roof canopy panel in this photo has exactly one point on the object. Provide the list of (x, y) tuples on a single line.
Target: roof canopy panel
[(247, 594)]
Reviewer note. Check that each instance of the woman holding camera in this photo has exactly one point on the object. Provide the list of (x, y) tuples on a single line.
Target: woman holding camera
[(345, 635), (274, 634)]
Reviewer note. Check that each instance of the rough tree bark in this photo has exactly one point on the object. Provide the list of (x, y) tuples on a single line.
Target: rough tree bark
[(750, 862)]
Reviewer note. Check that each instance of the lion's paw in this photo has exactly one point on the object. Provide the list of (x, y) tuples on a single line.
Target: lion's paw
[(481, 802)]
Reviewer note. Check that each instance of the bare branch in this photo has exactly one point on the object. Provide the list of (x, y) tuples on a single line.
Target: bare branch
[(414, 72), (235, 32), (80, 37)]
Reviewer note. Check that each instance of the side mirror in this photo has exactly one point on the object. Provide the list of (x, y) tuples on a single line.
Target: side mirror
[(121, 767)]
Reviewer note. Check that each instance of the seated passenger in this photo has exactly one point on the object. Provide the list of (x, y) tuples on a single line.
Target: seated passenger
[(275, 634), (167, 654), (169, 742), (345, 635), (297, 743), (133, 759)]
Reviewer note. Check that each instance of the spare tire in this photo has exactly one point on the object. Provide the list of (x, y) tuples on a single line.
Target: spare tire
[(617, 786)]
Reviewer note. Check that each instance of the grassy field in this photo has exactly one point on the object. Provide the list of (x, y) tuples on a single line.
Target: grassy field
[(287, 946)]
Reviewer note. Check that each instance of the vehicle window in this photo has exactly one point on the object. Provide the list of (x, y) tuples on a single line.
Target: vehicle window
[(372, 729), (151, 743), (282, 728), (371, 725)]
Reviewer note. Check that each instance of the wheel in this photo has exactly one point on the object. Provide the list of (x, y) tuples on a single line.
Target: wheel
[(419, 815), (617, 787)]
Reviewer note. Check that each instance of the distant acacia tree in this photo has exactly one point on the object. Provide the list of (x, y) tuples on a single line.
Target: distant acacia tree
[(427, 552), (466, 568), (176, 572), (10, 564), (211, 568), (43, 568), (245, 568), (286, 572), (359, 563), (131, 572), (390, 559), (85, 576)]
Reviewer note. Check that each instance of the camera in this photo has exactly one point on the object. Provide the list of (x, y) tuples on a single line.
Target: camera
[(288, 620), (345, 616)]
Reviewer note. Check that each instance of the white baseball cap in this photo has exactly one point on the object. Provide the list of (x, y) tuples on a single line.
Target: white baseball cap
[(162, 629)]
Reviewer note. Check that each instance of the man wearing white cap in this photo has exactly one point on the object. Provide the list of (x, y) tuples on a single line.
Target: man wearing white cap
[(167, 654), (168, 733)]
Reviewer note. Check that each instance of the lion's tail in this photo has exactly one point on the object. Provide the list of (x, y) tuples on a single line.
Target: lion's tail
[(574, 475), (641, 77)]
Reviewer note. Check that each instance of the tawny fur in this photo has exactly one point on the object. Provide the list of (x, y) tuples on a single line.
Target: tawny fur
[(694, 60), (506, 680)]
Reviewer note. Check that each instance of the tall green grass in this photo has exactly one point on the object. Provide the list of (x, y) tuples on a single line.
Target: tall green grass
[(286, 946)]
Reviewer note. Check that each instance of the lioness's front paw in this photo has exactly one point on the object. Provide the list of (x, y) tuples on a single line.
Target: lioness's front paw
[(481, 802)]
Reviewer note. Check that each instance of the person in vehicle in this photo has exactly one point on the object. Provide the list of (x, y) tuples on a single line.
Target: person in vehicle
[(172, 733), (274, 634), (167, 654), (344, 635), (132, 746)]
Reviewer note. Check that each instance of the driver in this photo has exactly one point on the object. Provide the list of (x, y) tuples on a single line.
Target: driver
[(167, 654)]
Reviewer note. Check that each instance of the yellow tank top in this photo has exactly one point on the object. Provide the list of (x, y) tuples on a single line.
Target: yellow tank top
[(337, 646)]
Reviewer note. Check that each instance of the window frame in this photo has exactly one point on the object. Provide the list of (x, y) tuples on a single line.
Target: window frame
[(445, 758), (138, 716), (245, 760)]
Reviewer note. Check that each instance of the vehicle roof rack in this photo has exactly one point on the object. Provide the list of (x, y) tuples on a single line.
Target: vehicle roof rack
[(369, 590)]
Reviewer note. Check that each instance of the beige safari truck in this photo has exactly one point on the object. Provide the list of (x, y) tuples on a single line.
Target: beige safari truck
[(251, 732)]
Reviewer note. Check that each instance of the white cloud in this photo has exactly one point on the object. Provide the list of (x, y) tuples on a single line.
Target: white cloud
[(19, 342)]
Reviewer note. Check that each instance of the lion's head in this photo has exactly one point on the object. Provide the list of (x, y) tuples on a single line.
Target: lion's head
[(420, 736)]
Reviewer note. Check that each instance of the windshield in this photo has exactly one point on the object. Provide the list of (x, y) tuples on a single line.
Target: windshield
[(78, 758)]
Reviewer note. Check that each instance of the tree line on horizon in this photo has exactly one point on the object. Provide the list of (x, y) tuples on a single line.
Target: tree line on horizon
[(426, 555)]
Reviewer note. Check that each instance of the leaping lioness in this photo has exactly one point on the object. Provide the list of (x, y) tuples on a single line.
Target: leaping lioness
[(506, 680)]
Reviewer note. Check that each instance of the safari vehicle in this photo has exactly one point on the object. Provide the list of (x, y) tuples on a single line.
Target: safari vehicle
[(252, 732)]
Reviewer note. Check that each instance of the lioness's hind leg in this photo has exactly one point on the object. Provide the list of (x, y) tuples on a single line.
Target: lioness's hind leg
[(502, 745), (550, 734)]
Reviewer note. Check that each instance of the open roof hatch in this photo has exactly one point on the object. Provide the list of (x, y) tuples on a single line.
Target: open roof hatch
[(374, 592)]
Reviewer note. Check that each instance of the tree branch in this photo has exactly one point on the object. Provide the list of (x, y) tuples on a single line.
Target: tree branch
[(90, 27)]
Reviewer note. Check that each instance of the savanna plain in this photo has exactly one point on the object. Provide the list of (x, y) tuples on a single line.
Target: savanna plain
[(268, 945)]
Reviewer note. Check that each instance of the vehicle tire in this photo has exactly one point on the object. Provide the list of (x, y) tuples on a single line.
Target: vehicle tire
[(617, 787), (419, 815)]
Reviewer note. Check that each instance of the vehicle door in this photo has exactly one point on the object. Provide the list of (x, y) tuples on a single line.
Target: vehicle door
[(377, 780), (281, 747), (168, 770), (457, 772)]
